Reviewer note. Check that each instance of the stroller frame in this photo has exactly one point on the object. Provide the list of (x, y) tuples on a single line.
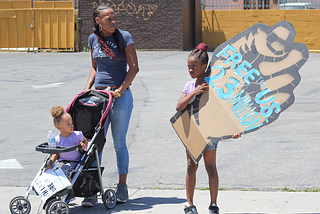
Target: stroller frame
[(57, 202)]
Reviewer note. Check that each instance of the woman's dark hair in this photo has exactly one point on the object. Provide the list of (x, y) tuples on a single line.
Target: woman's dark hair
[(200, 53), (99, 34)]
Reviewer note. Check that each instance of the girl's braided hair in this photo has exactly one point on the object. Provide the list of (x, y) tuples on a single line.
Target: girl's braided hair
[(99, 34), (200, 53)]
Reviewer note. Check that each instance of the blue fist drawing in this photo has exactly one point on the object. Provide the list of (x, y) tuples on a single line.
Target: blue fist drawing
[(252, 77)]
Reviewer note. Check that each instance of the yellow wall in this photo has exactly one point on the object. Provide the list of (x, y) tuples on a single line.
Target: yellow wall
[(55, 26), (219, 26), (47, 26), (15, 19)]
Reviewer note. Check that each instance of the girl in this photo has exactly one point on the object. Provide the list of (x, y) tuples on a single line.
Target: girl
[(197, 64), (68, 160)]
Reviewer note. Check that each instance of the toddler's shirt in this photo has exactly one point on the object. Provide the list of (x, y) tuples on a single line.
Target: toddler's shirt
[(75, 138)]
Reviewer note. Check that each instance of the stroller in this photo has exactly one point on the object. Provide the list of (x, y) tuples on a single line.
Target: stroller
[(89, 111)]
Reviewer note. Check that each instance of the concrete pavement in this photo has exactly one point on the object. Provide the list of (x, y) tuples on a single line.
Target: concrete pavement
[(159, 201), (282, 154)]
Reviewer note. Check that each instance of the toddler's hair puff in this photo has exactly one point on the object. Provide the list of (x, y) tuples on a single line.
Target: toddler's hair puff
[(57, 112)]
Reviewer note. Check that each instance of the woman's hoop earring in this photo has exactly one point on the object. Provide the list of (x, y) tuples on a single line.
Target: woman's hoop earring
[(100, 27)]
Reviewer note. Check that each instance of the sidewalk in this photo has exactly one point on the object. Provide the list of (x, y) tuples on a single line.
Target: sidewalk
[(172, 201)]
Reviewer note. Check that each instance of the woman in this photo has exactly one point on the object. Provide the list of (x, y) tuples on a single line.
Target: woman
[(111, 51)]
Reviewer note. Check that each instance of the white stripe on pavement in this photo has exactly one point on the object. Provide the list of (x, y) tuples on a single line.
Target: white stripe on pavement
[(10, 164), (52, 85)]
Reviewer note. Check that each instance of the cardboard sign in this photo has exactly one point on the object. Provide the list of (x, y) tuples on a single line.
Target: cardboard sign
[(50, 182), (252, 77)]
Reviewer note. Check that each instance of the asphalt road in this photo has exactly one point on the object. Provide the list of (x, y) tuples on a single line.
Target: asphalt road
[(282, 154)]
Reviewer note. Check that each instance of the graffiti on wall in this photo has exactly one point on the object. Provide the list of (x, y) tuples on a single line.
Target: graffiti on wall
[(131, 8)]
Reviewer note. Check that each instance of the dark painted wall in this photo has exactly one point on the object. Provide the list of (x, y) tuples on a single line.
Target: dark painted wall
[(153, 24)]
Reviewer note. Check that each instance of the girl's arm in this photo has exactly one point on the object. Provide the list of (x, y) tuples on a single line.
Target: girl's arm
[(84, 143), (185, 99), (92, 75), (133, 69), (53, 159)]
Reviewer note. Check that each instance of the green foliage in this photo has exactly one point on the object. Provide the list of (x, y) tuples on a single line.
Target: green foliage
[(85, 49)]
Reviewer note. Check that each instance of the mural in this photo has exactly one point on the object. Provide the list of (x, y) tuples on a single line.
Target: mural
[(131, 8)]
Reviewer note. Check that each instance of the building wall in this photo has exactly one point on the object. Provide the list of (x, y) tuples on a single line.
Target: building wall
[(187, 35), (241, 4), (192, 24), (219, 26), (153, 24), (49, 25)]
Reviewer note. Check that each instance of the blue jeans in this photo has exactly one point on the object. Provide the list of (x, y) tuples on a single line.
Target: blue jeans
[(119, 118)]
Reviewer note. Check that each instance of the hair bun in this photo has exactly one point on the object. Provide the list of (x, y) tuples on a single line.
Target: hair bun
[(203, 47), (56, 111)]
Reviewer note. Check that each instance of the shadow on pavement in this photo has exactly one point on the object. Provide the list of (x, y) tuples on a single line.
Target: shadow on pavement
[(143, 203)]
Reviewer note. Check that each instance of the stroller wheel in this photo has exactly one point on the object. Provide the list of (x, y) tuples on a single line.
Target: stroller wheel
[(48, 204), (109, 199), (20, 205), (55, 207)]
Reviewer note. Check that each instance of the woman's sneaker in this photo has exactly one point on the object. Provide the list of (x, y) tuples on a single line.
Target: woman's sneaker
[(122, 193), (213, 210), (190, 210), (90, 201)]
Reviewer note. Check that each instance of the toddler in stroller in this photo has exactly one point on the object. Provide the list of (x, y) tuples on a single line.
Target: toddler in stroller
[(68, 161), (88, 111)]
